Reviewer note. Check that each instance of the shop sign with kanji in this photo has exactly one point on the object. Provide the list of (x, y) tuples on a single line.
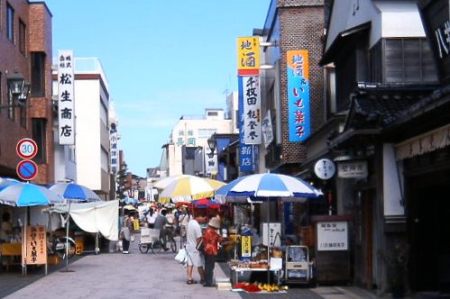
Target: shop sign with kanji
[(252, 110), (36, 245), (66, 115), (248, 55), (298, 95)]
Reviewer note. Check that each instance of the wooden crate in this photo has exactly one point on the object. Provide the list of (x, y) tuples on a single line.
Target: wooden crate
[(79, 245), (53, 260)]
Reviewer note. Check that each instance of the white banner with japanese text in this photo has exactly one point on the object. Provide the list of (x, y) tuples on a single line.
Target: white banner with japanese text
[(252, 110), (66, 80)]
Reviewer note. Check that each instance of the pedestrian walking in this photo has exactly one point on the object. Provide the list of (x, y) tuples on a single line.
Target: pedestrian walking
[(211, 243), (125, 234), (195, 258), (160, 223)]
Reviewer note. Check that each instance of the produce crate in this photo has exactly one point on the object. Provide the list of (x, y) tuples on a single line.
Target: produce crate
[(53, 260)]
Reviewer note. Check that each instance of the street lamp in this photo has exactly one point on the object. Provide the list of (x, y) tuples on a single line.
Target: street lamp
[(212, 146), (18, 90)]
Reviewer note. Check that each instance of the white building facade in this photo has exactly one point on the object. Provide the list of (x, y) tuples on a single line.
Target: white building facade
[(187, 150)]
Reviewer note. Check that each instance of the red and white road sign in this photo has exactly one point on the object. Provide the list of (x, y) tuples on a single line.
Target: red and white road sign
[(27, 170), (26, 148)]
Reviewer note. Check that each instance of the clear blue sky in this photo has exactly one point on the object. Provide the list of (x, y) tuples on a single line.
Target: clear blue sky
[(162, 59)]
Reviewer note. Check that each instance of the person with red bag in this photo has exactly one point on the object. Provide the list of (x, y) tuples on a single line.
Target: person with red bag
[(211, 243)]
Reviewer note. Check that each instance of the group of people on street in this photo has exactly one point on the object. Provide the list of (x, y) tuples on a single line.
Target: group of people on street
[(202, 243)]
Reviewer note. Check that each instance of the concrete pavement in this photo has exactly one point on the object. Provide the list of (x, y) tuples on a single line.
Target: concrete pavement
[(139, 275)]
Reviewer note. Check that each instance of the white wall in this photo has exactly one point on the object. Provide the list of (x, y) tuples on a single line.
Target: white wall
[(388, 19), (215, 125), (87, 137)]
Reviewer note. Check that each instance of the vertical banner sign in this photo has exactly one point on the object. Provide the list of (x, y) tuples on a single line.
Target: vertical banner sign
[(36, 245), (298, 95), (66, 79), (246, 247), (267, 130), (114, 152), (248, 56), (210, 163), (245, 151), (252, 110)]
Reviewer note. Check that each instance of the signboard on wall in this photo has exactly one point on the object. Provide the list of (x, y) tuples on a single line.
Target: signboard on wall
[(66, 83), (332, 236), (353, 170), (298, 95), (436, 22)]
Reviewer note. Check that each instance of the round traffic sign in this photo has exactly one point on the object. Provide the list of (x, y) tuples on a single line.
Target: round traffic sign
[(27, 170), (26, 148)]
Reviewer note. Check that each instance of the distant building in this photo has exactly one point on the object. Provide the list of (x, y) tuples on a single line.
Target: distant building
[(187, 150)]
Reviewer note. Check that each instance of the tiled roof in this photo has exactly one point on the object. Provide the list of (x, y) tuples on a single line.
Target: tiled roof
[(381, 106)]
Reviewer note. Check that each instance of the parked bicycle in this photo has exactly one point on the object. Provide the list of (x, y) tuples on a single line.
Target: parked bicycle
[(150, 240)]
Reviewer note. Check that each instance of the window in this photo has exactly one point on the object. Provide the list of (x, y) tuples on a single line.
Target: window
[(206, 133), (408, 60), (22, 39), (39, 135), (37, 74), (10, 22)]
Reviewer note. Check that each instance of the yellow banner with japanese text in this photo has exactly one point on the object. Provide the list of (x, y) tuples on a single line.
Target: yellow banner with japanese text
[(248, 55)]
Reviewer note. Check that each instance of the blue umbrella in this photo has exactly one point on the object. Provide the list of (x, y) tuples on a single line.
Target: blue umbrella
[(265, 186), (5, 182), (75, 192), (28, 195)]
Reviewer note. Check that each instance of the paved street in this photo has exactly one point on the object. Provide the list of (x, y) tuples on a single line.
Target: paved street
[(137, 275)]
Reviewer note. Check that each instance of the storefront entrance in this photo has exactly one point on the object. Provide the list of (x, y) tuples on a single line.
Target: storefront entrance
[(428, 193)]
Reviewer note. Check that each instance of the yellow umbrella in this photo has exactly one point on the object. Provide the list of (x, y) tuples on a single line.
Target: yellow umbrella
[(188, 187)]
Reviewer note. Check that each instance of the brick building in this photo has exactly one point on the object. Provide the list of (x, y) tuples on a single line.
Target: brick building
[(26, 52), (290, 25)]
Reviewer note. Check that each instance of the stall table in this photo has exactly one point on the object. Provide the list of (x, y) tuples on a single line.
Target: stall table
[(235, 271), (10, 251)]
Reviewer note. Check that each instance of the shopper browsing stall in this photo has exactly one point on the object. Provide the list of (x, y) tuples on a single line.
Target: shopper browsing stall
[(211, 243), (195, 258)]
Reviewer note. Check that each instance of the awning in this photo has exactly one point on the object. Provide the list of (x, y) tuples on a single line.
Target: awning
[(93, 217)]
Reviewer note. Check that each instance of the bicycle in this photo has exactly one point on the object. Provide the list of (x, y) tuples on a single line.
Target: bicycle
[(150, 240), (170, 240)]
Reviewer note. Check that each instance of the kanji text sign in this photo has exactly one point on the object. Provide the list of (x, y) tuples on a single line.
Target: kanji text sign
[(66, 115)]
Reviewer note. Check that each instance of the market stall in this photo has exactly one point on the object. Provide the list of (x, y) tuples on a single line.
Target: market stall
[(263, 189), (32, 239)]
